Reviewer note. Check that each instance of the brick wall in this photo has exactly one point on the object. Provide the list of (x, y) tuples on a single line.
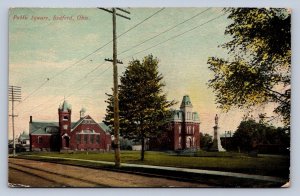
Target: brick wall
[(40, 142)]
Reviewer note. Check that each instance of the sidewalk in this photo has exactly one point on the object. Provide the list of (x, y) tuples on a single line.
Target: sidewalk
[(187, 170)]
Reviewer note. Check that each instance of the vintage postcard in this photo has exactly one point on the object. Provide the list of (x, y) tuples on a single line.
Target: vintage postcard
[(149, 97)]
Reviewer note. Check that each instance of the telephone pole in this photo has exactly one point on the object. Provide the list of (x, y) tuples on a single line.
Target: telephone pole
[(115, 61), (14, 94)]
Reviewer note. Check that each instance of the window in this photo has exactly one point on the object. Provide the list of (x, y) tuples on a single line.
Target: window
[(78, 138), (92, 138), (65, 118), (97, 139), (179, 129), (86, 138), (40, 140)]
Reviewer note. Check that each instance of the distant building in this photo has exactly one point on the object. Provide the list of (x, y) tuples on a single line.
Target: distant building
[(184, 130), (84, 134), (24, 140)]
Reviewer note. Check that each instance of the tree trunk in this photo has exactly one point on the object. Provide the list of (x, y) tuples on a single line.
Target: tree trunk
[(143, 148)]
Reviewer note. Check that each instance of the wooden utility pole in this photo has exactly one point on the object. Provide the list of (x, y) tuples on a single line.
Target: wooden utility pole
[(115, 79), (14, 94)]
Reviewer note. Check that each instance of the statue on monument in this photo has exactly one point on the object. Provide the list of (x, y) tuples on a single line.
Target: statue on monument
[(216, 120), (217, 141)]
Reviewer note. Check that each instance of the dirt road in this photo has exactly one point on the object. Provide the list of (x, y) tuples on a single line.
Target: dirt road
[(43, 174)]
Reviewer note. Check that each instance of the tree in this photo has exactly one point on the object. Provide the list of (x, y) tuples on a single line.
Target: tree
[(144, 109), (251, 134), (258, 67), (205, 141)]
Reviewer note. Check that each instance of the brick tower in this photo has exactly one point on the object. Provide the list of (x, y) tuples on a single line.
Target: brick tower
[(64, 115)]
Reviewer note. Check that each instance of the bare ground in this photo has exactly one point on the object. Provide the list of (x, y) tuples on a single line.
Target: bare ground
[(44, 174)]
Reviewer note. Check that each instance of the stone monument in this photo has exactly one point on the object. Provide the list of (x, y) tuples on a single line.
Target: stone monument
[(217, 141)]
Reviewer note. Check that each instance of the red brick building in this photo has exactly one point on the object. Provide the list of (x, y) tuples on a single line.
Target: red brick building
[(184, 131), (84, 134)]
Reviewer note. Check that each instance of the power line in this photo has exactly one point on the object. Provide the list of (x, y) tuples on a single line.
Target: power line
[(35, 90), (140, 22), (91, 80), (97, 67), (95, 51), (70, 93), (31, 109), (165, 31), (175, 36), (169, 38)]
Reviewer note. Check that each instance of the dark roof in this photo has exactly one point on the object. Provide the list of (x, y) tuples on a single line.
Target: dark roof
[(34, 126), (42, 127), (186, 101), (40, 131)]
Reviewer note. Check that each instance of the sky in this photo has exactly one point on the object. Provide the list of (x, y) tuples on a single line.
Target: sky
[(52, 60)]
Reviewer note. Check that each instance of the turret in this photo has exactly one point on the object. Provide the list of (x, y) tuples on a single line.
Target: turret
[(64, 115), (187, 108), (82, 113)]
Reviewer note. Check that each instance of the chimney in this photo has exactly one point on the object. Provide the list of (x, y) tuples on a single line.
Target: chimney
[(30, 121)]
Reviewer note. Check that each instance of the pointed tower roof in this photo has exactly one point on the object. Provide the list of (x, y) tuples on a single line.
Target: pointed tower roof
[(65, 106), (186, 102)]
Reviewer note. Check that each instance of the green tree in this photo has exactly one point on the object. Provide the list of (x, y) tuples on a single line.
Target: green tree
[(144, 109), (251, 134), (258, 67), (205, 141)]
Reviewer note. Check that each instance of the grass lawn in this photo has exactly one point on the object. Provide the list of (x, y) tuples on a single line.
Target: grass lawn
[(222, 161)]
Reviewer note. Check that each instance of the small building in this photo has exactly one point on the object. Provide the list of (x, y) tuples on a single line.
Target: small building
[(85, 134), (24, 140), (183, 132)]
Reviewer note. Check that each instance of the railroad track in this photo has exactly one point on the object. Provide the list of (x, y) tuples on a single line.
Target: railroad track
[(135, 171), (110, 177), (62, 180)]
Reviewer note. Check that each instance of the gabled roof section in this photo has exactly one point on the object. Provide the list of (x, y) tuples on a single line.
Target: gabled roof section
[(74, 125), (40, 131), (87, 117), (24, 136), (104, 127), (41, 125), (186, 102)]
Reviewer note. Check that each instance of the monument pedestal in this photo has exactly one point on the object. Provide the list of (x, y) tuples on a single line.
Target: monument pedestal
[(217, 147)]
